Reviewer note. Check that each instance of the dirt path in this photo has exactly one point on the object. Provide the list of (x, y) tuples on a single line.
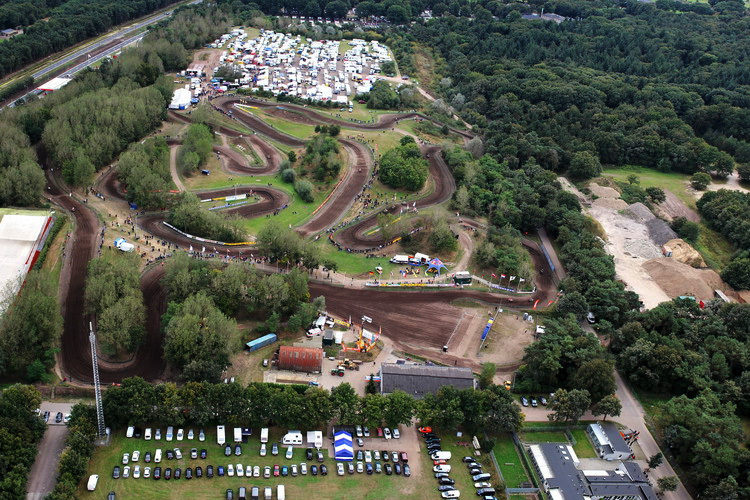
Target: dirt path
[(173, 150)]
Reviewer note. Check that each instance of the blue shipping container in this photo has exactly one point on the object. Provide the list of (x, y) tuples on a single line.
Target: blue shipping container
[(263, 341)]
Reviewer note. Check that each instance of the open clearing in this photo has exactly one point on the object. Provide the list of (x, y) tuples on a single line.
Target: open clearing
[(509, 461)]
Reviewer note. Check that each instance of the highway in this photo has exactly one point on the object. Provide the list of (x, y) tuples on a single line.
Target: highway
[(83, 51)]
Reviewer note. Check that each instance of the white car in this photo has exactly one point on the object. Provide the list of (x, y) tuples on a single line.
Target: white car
[(303, 468), (396, 434), (201, 436), (289, 453), (136, 456), (376, 455), (387, 433), (178, 454), (368, 456), (147, 472), (451, 494), (137, 471), (483, 484), (157, 455), (263, 450), (240, 470), (157, 434), (147, 434), (230, 470), (126, 472), (180, 434), (249, 471), (125, 458), (340, 469), (360, 467), (441, 468), (359, 431), (256, 471), (191, 435)]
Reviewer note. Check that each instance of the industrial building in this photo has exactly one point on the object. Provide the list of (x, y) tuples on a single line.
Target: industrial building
[(562, 477), (301, 359), (418, 380)]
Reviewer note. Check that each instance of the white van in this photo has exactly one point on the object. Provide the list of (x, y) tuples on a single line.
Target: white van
[(292, 437), (264, 435), (157, 455), (220, 435), (280, 492), (170, 433), (238, 434), (130, 432), (93, 480), (267, 493), (441, 455), (147, 434)]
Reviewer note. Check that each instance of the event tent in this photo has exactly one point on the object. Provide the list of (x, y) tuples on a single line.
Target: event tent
[(342, 446), (436, 264)]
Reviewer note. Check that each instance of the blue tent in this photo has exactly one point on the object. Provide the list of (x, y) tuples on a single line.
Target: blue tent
[(436, 264), (342, 446)]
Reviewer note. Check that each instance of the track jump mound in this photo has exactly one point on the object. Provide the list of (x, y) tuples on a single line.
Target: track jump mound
[(677, 279)]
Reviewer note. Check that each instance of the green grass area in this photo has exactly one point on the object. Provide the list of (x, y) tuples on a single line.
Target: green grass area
[(459, 447), (509, 461), (583, 447), (543, 437), (418, 129), (299, 130), (714, 248), (356, 264), (374, 487)]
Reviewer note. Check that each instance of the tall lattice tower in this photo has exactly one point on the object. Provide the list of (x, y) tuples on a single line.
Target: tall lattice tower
[(97, 385)]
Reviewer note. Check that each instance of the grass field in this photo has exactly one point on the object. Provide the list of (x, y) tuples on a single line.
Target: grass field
[(543, 437), (360, 486), (299, 130), (583, 447), (509, 461)]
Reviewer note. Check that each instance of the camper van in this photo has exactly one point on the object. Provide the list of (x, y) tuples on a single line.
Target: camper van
[(400, 259), (238, 434), (292, 437), (220, 435), (264, 435), (280, 492)]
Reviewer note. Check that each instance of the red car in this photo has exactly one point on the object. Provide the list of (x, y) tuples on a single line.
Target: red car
[(275, 471), (439, 462), (380, 432), (424, 430)]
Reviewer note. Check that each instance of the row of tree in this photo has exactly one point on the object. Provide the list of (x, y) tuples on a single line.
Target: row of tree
[(113, 295), (20, 431), (137, 402), (21, 179), (383, 96), (75, 457), (196, 148)]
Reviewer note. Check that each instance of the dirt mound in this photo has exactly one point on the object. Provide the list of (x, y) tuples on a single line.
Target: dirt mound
[(673, 207), (613, 203), (660, 232), (676, 279), (640, 212), (683, 252), (603, 191)]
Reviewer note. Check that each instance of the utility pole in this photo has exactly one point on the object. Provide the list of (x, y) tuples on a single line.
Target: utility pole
[(102, 430)]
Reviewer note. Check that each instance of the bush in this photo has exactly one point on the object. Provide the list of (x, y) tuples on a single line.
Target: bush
[(700, 181), (737, 274), (288, 175), (304, 190), (685, 229), (584, 165)]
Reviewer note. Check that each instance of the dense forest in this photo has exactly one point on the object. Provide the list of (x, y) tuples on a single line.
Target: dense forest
[(69, 23), (729, 213)]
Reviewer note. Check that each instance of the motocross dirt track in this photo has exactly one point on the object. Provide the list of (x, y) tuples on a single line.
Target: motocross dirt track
[(416, 320)]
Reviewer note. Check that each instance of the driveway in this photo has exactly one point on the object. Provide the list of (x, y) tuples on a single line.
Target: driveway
[(44, 471)]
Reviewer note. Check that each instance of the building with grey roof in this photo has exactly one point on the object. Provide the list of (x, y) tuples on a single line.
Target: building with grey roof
[(418, 380), (562, 478), (608, 441)]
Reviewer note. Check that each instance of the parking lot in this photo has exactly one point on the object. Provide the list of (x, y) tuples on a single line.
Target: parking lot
[(331, 486), (44, 471)]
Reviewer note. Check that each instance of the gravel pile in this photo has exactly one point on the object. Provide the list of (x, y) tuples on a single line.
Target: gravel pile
[(640, 212), (659, 231)]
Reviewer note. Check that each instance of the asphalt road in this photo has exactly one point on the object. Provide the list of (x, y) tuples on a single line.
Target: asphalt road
[(44, 471)]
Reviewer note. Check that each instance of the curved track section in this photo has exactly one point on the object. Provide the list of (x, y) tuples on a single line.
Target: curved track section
[(353, 237)]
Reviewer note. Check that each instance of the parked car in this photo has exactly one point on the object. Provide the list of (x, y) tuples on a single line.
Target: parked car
[(358, 430), (534, 402), (190, 435), (446, 481), (376, 455), (485, 491), (157, 434), (230, 470), (284, 470), (289, 453), (360, 467), (543, 400), (204, 454), (136, 456), (441, 475), (147, 457), (442, 468), (386, 455), (468, 459), (350, 468), (445, 487), (387, 433), (125, 458), (524, 401), (424, 430), (237, 450), (368, 456), (388, 469), (368, 468), (275, 449), (220, 471), (360, 455), (147, 472), (229, 494), (323, 470), (126, 472), (157, 473), (201, 436), (366, 431), (396, 434), (380, 432), (378, 468), (227, 451), (177, 473), (451, 494), (170, 455), (263, 450), (360, 442), (267, 471), (320, 456), (394, 456), (303, 468), (58, 417), (483, 484), (407, 470), (276, 471), (314, 470), (309, 453), (209, 471), (193, 453), (180, 434), (240, 471), (293, 470), (137, 472), (256, 471), (404, 457), (340, 469)]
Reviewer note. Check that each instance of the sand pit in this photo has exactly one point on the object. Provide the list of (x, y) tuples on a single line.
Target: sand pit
[(676, 279)]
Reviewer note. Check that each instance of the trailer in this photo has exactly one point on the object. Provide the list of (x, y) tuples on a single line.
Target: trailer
[(263, 341), (238, 434), (264, 435), (462, 278), (221, 435), (400, 259)]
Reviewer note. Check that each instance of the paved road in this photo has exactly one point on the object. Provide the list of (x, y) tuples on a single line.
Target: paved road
[(632, 416), (44, 471)]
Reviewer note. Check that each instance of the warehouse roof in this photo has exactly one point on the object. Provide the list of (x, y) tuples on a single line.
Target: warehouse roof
[(419, 380), (300, 358)]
